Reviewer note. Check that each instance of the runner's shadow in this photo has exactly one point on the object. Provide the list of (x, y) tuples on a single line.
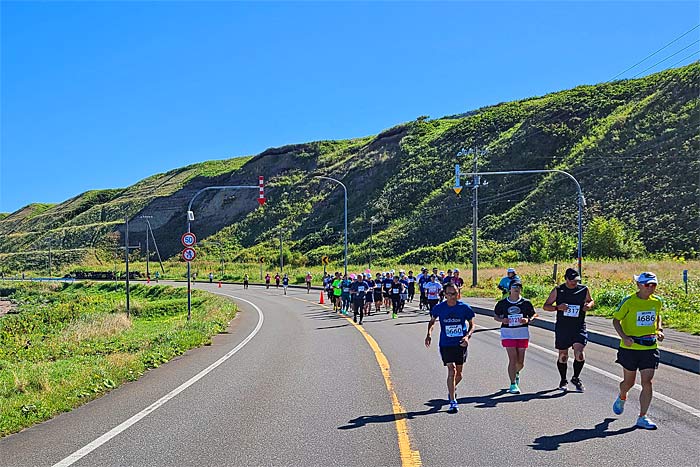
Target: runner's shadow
[(434, 407), (492, 400), (333, 327), (552, 443)]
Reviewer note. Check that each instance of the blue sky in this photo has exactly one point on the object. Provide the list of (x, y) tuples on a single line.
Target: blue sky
[(101, 95)]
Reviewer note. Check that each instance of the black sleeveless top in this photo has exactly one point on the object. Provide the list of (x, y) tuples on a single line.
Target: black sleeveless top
[(574, 317)]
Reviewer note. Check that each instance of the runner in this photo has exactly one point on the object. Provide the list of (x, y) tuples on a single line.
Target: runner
[(505, 282), (309, 277), (433, 289), (345, 295), (458, 282), (387, 283), (423, 278), (157, 276), (378, 293), (336, 291), (277, 280), (572, 301), (454, 338), (404, 291), (285, 283), (411, 286), (357, 290), (396, 290), (211, 277), (638, 323), (369, 295), (245, 281), (267, 280), (515, 313), (327, 281)]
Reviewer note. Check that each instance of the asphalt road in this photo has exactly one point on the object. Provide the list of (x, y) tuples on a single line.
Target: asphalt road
[(292, 383)]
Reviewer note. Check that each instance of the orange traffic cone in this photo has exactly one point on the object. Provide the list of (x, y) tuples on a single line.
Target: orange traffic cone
[(321, 302), (219, 284)]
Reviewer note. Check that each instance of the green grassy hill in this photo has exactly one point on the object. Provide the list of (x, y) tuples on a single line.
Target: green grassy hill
[(633, 145)]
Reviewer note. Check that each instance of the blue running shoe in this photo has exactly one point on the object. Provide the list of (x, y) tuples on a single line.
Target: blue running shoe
[(454, 408), (646, 423), (619, 406), (514, 389)]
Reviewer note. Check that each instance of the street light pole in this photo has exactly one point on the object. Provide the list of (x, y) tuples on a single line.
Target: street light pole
[(581, 200), (345, 191)]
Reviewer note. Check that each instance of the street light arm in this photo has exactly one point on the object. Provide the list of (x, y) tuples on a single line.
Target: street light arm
[(332, 179)]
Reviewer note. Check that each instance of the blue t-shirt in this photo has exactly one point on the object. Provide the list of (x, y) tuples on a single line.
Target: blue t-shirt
[(453, 322), (285, 281), (505, 282)]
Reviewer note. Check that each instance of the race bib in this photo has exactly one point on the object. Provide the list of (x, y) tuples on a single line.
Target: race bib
[(572, 311), (346, 289), (514, 320), (361, 289), (454, 330), (646, 318), (395, 291)]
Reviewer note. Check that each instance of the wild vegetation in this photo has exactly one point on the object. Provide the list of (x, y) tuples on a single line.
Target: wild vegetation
[(70, 343)]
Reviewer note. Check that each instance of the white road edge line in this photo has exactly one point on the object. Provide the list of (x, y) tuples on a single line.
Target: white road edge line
[(657, 395), (87, 449)]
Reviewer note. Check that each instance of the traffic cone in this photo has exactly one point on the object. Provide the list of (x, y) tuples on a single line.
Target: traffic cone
[(219, 284), (321, 302), (148, 280)]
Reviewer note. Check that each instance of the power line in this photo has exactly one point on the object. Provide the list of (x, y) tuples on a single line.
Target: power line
[(652, 54), (672, 55)]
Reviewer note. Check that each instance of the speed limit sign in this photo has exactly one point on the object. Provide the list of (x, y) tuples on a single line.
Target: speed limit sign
[(188, 239), (188, 254)]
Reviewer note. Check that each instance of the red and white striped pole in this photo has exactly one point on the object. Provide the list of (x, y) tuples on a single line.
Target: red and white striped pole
[(261, 196)]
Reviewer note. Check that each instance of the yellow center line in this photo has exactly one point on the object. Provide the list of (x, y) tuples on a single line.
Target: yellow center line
[(409, 457)]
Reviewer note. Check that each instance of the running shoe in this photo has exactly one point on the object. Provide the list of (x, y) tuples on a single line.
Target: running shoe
[(563, 384), (577, 382), (394, 316), (646, 423), (618, 406), (454, 408), (514, 389), (517, 378)]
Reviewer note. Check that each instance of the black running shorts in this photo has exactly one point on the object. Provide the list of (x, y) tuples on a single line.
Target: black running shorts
[(634, 360), (454, 354), (564, 339)]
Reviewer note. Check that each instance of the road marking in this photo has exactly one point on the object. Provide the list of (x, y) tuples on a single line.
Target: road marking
[(409, 457), (657, 395), (87, 449)]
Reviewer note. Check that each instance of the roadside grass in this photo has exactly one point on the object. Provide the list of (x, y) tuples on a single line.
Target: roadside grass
[(70, 344)]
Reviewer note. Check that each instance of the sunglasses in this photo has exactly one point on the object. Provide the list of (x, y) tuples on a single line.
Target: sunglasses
[(450, 293), (649, 285), (516, 286)]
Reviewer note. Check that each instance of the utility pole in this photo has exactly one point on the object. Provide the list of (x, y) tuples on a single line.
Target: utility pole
[(148, 252), (126, 255), (281, 255), (371, 228), (474, 185)]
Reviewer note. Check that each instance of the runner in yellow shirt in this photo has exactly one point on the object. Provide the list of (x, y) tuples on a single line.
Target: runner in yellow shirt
[(638, 323)]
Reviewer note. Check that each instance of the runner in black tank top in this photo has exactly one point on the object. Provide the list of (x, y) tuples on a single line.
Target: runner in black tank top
[(570, 300)]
